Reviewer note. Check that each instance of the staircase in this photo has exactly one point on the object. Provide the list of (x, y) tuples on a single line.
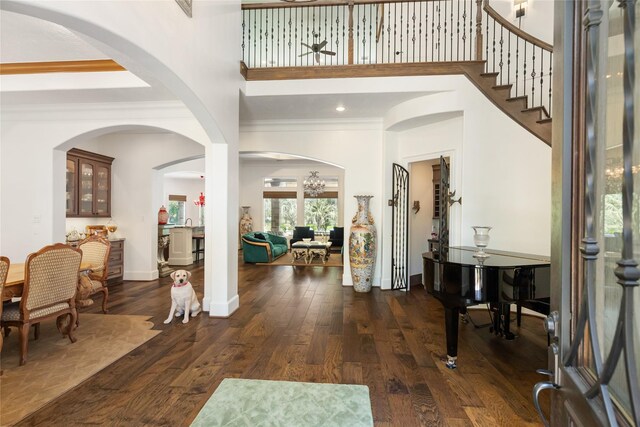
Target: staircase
[(535, 119), (404, 38)]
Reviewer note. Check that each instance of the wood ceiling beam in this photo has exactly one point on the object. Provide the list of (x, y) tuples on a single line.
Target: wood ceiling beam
[(88, 66)]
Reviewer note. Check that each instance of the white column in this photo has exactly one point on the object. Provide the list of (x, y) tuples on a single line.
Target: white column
[(221, 222)]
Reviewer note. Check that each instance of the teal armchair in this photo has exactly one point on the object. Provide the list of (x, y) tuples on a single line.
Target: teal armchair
[(256, 249)]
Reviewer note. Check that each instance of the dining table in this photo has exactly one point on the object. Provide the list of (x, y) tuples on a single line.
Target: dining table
[(15, 280)]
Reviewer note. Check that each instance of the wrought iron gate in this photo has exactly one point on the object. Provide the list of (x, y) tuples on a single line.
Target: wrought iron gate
[(443, 232), (400, 228)]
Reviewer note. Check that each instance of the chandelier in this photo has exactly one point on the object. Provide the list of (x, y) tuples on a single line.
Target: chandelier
[(313, 185)]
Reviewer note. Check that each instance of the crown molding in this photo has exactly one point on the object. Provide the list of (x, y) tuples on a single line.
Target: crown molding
[(298, 125), (48, 112)]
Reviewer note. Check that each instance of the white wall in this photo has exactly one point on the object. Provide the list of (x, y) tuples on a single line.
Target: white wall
[(133, 177), (538, 18), (252, 174), (501, 171), (197, 60), (39, 136), (353, 145)]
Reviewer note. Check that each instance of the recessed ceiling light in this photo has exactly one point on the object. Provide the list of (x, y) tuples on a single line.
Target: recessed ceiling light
[(340, 108)]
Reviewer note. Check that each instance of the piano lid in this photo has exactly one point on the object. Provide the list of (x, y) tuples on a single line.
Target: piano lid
[(501, 259)]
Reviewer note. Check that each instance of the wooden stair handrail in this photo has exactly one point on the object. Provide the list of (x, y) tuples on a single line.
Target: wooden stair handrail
[(515, 30), (281, 5)]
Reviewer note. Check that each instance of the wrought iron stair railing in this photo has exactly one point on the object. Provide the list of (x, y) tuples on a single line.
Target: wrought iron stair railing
[(521, 60), (275, 34), (468, 37)]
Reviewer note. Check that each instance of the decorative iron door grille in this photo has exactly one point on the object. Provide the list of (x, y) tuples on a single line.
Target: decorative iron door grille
[(594, 328), (443, 234), (400, 228)]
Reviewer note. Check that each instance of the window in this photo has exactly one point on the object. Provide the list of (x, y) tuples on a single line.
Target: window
[(330, 181), (176, 208), (280, 211), (280, 182), (321, 213)]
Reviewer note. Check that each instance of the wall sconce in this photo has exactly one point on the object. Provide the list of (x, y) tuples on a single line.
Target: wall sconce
[(520, 6), (416, 206), (452, 200)]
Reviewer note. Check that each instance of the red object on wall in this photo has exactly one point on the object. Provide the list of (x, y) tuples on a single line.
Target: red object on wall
[(163, 216), (200, 201)]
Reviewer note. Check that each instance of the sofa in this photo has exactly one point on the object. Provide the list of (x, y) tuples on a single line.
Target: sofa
[(300, 233), (336, 237), (260, 246)]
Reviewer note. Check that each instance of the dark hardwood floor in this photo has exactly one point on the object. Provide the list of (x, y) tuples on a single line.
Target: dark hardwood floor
[(300, 324)]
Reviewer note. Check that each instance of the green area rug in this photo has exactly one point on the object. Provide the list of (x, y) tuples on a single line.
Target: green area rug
[(238, 402)]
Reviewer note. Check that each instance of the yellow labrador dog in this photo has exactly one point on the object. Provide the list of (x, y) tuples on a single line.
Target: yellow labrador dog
[(183, 298)]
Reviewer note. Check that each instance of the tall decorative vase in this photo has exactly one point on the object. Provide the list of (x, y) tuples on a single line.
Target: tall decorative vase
[(246, 223), (362, 246), (163, 215)]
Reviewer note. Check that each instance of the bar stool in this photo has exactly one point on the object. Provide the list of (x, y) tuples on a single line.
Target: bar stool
[(199, 238)]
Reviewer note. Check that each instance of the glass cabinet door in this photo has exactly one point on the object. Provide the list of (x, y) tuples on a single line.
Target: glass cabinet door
[(86, 188), (102, 181), (72, 191)]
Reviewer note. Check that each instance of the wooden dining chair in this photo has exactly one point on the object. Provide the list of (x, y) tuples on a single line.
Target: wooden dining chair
[(4, 269), (49, 290), (95, 251)]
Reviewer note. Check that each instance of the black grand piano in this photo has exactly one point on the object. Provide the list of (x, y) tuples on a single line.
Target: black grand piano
[(458, 280)]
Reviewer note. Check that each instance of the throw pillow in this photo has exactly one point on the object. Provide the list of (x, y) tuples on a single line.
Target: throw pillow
[(259, 236)]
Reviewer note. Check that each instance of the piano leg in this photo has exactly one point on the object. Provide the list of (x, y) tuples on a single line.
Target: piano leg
[(451, 319), (506, 321), (502, 320)]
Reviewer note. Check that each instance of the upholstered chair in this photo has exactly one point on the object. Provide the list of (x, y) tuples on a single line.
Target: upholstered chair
[(4, 269), (95, 251), (300, 233), (49, 290), (336, 237)]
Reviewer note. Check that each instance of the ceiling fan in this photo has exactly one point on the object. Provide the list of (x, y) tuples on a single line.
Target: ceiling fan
[(317, 49)]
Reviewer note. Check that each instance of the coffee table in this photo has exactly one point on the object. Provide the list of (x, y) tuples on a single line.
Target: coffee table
[(308, 251)]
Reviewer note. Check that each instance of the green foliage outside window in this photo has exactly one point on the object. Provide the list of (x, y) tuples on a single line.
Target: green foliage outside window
[(285, 213), (321, 214), (176, 212)]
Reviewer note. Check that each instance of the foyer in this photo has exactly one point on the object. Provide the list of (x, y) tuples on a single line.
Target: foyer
[(302, 325)]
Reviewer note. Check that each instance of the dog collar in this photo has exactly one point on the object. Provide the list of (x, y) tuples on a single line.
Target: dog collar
[(180, 285)]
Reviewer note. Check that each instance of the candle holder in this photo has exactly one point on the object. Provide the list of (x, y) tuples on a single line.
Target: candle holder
[(481, 240)]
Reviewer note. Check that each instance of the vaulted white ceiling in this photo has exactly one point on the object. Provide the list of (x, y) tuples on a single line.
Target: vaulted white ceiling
[(27, 39)]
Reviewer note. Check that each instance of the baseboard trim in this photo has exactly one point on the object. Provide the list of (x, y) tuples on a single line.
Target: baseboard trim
[(140, 275), (222, 310), (180, 261)]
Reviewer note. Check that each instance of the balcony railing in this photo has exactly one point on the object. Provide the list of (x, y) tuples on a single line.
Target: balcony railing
[(335, 33), (281, 35)]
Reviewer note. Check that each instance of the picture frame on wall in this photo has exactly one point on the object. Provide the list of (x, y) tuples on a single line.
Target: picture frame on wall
[(186, 5)]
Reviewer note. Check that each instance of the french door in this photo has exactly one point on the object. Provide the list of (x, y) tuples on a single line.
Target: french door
[(594, 326)]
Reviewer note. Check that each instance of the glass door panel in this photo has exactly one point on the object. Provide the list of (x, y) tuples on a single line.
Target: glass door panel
[(102, 190), (86, 188), (71, 190), (609, 197)]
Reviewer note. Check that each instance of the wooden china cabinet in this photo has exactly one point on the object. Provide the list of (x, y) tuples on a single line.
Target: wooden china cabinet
[(88, 184)]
